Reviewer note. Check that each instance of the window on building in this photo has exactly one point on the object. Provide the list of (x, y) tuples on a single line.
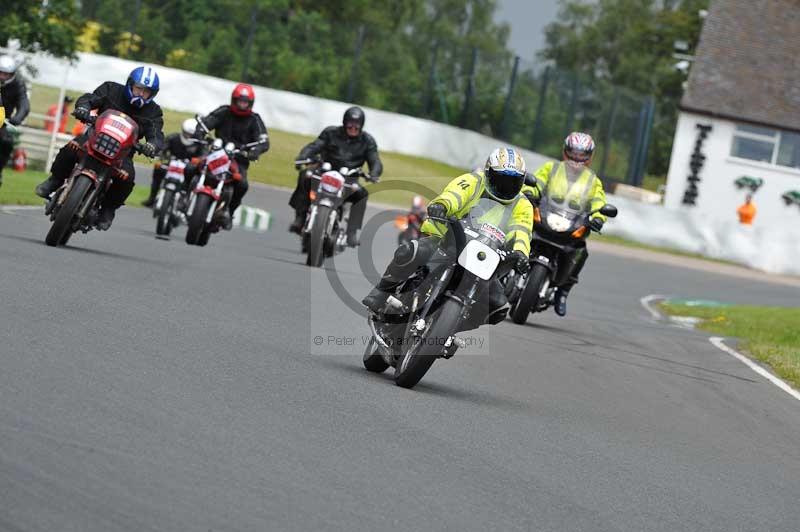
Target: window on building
[(767, 145)]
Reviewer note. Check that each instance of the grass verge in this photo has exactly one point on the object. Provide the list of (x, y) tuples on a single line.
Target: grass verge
[(769, 334), (18, 188)]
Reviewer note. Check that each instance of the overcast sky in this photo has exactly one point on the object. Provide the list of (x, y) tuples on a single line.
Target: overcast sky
[(527, 19)]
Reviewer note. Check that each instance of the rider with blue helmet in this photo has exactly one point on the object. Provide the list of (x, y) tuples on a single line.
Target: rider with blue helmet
[(135, 99)]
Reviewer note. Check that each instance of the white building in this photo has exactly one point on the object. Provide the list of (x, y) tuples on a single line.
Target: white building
[(741, 111)]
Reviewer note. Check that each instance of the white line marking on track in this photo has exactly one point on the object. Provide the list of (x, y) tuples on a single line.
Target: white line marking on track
[(647, 300), (11, 208), (717, 341)]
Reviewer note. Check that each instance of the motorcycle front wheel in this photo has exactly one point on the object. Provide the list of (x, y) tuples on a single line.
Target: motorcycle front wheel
[(421, 354), (164, 221), (528, 301), (316, 239), (197, 221), (61, 229)]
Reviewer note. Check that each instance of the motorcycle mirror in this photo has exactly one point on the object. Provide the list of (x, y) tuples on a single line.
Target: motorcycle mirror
[(344, 170), (217, 144), (229, 147), (326, 167), (608, 210)]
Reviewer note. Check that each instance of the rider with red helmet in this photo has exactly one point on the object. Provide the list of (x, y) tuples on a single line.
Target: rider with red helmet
[(572, 171), (238, 123)]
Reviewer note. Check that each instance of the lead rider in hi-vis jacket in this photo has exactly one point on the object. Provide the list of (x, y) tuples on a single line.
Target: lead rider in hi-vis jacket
[(498, 189)]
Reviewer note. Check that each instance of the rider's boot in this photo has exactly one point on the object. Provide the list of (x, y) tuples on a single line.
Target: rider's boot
[(47, 187), (299, 220), (560, 303), (352, 238), (226, 220), (376, 299), (104, 218)]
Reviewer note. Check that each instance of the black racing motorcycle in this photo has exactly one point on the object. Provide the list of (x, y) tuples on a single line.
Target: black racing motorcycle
[(325, 230), (559, 229), (421, 318)]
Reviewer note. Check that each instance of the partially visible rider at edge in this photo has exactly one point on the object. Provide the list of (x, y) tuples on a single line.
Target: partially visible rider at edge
[(239, 124), (135, 99), (418, 208), (347, 146), (571, 174), (182, 146), (501, 182), (14, 106)]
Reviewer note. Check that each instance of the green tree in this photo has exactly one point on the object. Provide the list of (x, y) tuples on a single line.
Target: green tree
[(52, 27), (629, 43)]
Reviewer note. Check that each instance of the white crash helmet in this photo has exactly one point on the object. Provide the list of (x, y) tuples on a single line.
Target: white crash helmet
[(188, 127), (8, 65), (505, 174)]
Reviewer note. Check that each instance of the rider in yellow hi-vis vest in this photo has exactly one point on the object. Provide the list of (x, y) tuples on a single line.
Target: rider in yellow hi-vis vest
[(497, 190), (573, 183)]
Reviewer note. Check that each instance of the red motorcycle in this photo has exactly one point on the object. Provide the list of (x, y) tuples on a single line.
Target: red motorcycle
[(211, 190), (75, 206)]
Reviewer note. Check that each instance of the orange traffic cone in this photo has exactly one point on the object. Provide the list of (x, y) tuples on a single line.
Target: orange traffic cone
[(20, 160)]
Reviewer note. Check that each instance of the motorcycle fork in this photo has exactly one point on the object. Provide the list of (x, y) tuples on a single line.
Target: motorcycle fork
[(99, 185), (200, 182), (213, 208)]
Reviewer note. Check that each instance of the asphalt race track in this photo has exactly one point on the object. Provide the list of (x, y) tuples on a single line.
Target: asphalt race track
[(150, 385)]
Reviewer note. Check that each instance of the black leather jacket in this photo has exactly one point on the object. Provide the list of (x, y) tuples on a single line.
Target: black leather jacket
[(238, 129), (14, 96), (111, 95), (334, 146), (175, 147)]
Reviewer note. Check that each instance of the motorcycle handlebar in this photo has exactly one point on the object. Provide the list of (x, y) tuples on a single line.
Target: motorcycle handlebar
[(461, 237)]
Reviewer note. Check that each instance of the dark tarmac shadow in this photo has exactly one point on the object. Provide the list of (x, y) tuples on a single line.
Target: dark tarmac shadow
[(429, 388)]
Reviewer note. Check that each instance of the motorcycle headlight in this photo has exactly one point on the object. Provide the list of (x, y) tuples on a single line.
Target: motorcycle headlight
[(558, 223)]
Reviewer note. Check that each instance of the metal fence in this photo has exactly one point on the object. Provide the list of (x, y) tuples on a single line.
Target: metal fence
[(528, 105)]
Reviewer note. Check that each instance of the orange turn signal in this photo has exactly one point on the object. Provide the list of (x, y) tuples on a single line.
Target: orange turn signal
[(401, 222), (579, 232), (312, 194), (537, 216)]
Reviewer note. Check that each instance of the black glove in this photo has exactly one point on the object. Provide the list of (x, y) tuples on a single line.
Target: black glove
[(82, 113), (437, 210), (253, 154), (596, 224), (520, 261), (372, 179), (148, 150)]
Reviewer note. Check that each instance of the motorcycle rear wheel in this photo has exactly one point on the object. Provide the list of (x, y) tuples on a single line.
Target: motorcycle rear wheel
[(373, 360)]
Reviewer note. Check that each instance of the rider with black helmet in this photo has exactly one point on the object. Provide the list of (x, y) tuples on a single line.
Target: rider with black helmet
[(348, 146)]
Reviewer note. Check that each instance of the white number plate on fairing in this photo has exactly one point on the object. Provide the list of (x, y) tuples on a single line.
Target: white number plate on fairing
[(481, 268), (175, 170)]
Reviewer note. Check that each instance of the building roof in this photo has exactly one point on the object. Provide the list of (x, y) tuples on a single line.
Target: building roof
[(747, 64)]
